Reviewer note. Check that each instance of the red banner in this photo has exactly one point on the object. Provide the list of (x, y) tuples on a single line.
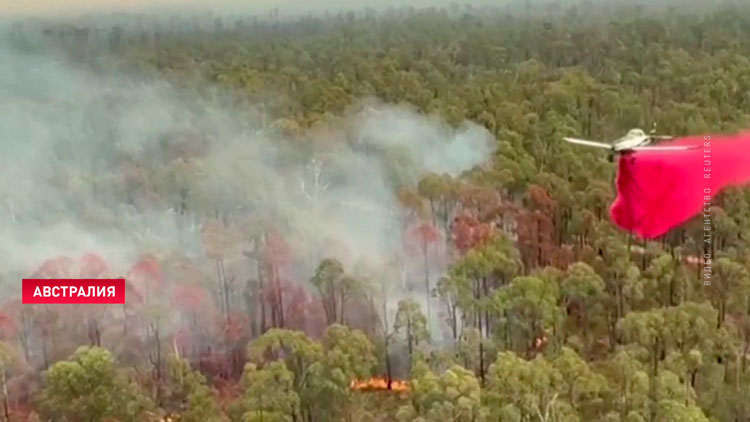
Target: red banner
[(74, 290)]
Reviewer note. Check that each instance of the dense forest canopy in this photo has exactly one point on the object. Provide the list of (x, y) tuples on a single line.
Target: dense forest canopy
[(300, 203)]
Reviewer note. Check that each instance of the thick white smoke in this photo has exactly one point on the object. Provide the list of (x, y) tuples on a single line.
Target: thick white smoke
[(120, 166)]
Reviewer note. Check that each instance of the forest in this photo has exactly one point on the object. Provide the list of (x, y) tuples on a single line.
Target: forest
[(303, 206)]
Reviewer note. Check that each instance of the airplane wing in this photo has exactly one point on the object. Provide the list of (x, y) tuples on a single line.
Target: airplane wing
[(665, 148), (588, 143)]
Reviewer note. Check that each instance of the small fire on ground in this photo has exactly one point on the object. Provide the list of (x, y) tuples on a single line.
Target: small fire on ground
[(379, 384)]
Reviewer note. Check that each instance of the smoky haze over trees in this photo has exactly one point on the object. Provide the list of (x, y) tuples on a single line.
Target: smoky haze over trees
[(284, 7), (300, 202)]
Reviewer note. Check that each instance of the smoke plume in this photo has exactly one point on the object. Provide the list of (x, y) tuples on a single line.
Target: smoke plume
[(121, 166)]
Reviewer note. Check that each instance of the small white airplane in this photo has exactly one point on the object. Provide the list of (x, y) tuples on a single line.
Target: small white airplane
[(634, 140)]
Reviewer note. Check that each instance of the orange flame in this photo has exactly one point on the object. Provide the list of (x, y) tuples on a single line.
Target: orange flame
[(379, 384)]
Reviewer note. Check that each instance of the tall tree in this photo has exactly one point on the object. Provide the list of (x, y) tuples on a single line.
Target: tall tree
[(88, 387)]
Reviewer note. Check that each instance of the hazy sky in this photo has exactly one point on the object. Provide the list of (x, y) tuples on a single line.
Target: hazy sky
[(78, 6)]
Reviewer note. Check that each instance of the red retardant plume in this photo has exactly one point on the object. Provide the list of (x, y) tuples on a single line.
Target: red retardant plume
[(659, 190)]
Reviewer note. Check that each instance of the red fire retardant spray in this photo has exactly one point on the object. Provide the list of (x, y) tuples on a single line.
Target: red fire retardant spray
[(660, 190)]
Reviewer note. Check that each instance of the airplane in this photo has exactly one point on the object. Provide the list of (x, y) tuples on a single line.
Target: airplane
[(634, 140)]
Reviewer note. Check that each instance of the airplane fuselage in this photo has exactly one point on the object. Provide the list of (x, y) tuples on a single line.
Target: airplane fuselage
[(634, 138)]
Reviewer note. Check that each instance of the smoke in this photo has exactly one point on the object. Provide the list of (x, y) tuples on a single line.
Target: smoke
[(430, 142), (122, 166), (285, 7)]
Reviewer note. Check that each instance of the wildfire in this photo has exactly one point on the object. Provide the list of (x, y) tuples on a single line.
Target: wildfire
[(379, 384)]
